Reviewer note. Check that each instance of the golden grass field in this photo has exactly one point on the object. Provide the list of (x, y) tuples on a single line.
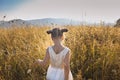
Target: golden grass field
[(95, 52)]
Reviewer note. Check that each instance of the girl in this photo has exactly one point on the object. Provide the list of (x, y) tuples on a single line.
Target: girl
[(59, 57)]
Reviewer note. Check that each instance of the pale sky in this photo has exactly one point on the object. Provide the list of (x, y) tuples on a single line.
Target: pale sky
[(82, 10)]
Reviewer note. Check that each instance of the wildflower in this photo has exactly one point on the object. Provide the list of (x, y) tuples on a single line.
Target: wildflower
[(29, 71), (114, 71)]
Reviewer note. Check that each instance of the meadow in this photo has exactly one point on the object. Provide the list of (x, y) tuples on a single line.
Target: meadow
[(95, 52)]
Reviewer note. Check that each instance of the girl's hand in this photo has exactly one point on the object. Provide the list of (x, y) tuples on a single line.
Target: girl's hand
[(38, 62)]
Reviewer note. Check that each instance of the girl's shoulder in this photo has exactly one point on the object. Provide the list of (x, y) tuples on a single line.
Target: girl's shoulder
[(48, 48)]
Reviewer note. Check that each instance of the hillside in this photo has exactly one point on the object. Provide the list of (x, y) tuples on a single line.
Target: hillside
[(39, 22)]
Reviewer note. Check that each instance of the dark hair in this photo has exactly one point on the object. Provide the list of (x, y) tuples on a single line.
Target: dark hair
[(57, 32)]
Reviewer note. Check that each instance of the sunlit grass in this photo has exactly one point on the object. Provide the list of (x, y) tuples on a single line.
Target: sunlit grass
[(95, 52)]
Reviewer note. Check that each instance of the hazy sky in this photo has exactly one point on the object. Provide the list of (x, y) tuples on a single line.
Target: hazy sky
[(83, 10)]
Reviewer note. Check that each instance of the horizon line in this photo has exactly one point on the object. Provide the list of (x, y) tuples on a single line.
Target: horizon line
[(98, 21)]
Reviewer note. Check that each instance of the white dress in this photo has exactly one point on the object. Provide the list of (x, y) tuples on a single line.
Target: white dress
[(55, 70)]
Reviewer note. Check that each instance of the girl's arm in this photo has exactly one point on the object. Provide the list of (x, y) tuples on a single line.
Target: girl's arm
[(67, 65), (40, 62), (45, 61)]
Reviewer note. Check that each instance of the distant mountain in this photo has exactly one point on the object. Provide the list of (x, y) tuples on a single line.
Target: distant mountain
[(53, 21), (15, 22), (39, 22)]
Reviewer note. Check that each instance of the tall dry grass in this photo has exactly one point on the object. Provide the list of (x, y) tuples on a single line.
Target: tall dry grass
[(95, 52)]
